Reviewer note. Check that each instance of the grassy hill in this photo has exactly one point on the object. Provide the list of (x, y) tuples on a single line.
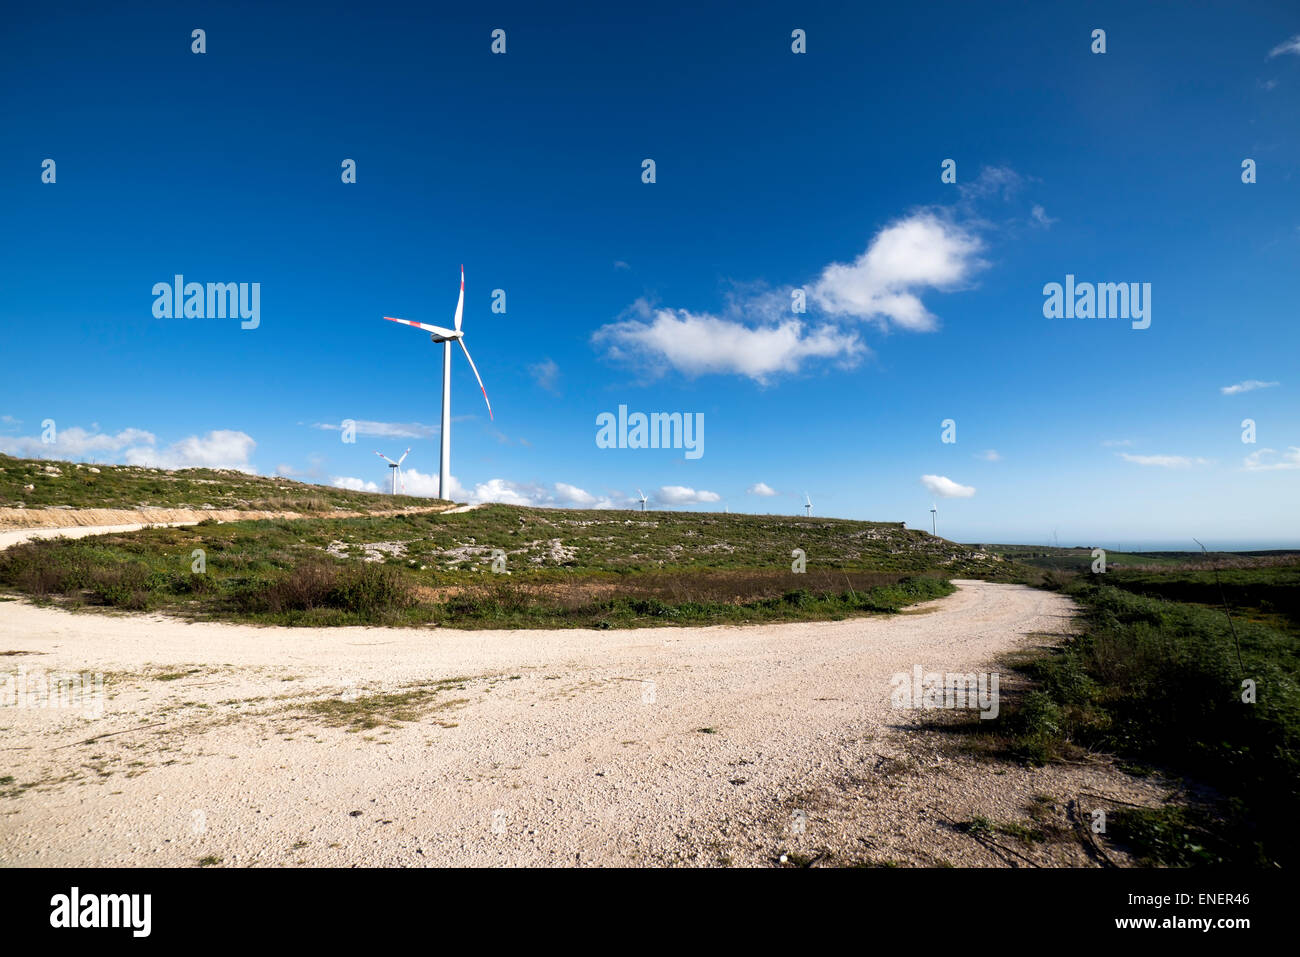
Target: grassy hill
[(41, 483), (497, 565)]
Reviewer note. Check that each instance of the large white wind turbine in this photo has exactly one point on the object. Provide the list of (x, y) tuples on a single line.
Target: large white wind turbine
[(396, 469), (807, 505), (642, 500), (446, 337)]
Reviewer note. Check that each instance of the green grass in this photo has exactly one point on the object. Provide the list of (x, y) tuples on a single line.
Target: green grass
[(1158, 684), (600, 569), (80, 485), (364, 713)]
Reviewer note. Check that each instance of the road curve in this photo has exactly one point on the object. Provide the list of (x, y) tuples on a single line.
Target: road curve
[(557, 747)]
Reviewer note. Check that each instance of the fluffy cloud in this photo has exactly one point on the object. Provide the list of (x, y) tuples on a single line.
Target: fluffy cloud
[(75, 442), (906, 258), (575, 495), (1255, 462), (1163, 461), (681, 495), (355, 484), (698, 344), (1250, 385), (219, 449), (761, 488), (496, 490), (945, 487)]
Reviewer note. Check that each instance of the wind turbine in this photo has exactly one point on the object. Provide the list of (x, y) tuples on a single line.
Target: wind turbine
[(807, 505), (397, 469), (642, 500), (934, 520), (446, 337)]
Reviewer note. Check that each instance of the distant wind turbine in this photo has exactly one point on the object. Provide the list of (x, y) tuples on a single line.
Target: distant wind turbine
[(934, 521), (446, 337), (807, 505), (642, 499), (396, 469)]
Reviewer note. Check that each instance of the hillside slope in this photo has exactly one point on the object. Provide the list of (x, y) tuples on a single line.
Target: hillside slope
[(29, 484)]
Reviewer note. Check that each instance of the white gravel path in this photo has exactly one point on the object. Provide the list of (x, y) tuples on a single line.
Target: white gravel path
[(561, 747)]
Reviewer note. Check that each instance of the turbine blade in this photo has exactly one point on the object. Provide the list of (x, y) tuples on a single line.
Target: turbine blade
[(477, 376), (404, 455), (436, 330), (385, 458), (460, 303)]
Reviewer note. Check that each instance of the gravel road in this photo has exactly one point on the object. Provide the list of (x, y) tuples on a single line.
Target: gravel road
[(574, 747)]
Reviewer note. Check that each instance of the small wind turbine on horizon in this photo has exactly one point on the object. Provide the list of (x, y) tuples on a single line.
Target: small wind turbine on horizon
[(396, 469), (447, 337), (642, 499), (807, 506), (934, 520)]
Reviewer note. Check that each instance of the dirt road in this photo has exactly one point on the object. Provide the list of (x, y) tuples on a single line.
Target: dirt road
[(276, 746)]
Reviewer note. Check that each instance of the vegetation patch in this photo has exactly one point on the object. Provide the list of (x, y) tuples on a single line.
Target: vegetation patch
[(1161, 685)]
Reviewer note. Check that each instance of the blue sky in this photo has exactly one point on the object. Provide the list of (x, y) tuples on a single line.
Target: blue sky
[(775, 171)]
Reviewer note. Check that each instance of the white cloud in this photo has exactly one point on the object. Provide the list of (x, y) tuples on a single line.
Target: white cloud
[(74, 442), (1250, 385), (1289, 46), (1290, 460), (906, 258), (571, 493), (1111, 443), (219, 449), (989, 455), (698, 344), (619, 264), (546, 374), (681, 495), (1163, 461), (498, 490), (355, 484), (761, 488), (391, 430), (1041, 217), (945, 487)]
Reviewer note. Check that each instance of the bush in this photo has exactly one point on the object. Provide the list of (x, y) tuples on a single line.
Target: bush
[(370, 589)]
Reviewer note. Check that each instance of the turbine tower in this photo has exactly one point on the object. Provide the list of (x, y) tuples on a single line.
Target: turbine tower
[(934, 520), (396, 469), (641, 499), (807, 505), (447, 337)]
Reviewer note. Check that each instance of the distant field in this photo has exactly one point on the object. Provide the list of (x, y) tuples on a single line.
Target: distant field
[(78, 485), (1052, 558)]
